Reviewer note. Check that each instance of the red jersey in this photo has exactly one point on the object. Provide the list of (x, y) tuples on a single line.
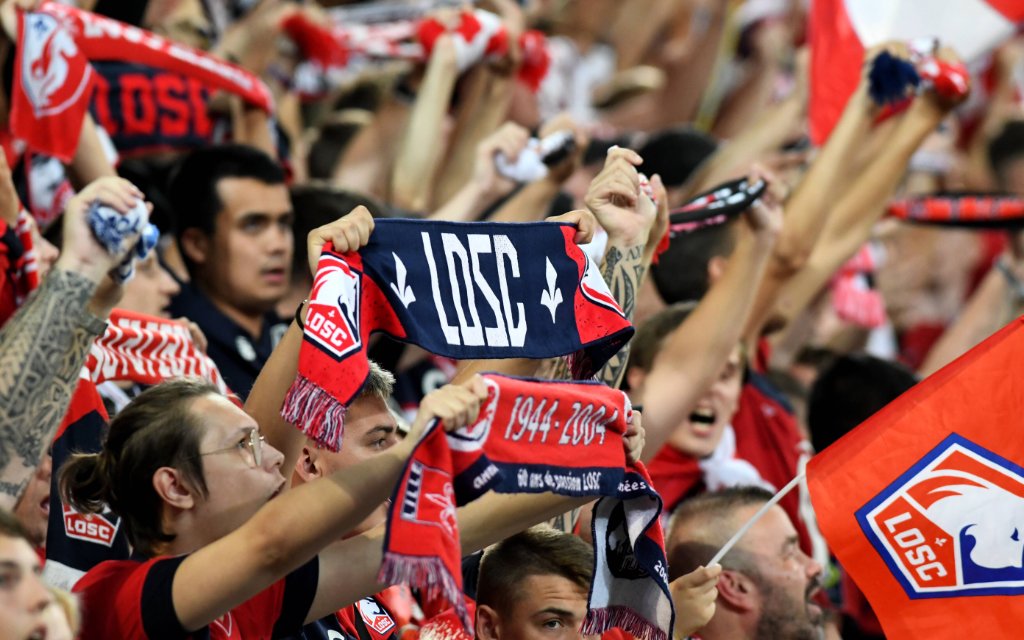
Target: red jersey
[(767, 437), (131, 600)]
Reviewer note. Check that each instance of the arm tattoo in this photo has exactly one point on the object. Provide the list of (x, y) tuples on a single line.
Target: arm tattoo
[(42, 350), (623, 273)]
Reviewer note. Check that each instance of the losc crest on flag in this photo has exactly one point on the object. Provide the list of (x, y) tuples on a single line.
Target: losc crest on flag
[(923, 504), (952, 524)]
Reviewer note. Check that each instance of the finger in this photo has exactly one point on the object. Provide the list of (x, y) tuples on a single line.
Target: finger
[(628, 155)]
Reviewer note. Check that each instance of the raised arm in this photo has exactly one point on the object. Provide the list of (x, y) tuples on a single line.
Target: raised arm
[(422, 143), (849, 224), (264, 402), (43, 347), (694, 353), (297, 525)]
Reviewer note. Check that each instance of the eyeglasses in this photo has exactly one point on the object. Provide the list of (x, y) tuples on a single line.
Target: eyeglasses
[(253, 442)]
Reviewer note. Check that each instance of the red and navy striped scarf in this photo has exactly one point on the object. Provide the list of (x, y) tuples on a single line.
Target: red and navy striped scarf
[(459, 290), (538, 437)]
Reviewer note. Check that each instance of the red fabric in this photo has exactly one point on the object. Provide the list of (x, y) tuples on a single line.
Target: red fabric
[(53, 83), (675, 475), (148, 350), (314, 41), (911, 500), (836, 57), (917, 341), (101, 38), (112, 605), (530, 437), (768, 437)]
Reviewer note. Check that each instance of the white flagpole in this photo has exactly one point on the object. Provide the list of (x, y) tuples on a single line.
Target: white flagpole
[(757, 516)]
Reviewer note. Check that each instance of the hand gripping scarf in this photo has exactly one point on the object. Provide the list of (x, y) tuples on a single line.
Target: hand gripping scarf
[(459, 290), (537, 437)]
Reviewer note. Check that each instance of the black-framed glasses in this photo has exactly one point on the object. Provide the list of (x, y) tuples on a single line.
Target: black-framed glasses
[(253, 442)]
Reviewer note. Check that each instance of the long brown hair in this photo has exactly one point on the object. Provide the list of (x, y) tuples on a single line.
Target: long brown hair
[(157, 429)]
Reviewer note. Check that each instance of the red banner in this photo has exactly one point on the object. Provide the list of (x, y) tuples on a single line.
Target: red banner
[(923, 504)]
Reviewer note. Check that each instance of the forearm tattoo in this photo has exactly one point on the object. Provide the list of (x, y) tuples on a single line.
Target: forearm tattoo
[(42, 350), (623, 273)]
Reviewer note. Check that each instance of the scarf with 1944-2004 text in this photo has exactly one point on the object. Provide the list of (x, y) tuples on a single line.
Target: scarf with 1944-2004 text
[(537, 437), (459, 290)]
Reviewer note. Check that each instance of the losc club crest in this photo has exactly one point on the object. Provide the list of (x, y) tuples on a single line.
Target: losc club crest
[(953, 524), (333, 318), (54, 74)]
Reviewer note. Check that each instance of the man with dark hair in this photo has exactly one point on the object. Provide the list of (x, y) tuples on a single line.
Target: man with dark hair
[(767, 582), (675, 154), (534, 584), (851, 390), (693, 262), (1006, 157), (234, 228)]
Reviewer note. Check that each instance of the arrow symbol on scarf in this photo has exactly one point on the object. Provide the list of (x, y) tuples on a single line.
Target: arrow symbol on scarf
[(552, 296), (402, 290)]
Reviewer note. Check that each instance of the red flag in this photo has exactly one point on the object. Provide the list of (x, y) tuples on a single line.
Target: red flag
[(52, 86), (841, 31), (923, 504)]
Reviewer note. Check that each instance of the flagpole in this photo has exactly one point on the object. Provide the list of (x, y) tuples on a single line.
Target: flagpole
[(753, 520)]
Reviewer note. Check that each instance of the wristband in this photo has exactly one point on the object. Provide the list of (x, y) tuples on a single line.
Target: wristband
[(298, 314)]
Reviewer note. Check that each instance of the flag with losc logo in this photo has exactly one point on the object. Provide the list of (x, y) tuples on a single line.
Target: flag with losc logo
[(923, 504)]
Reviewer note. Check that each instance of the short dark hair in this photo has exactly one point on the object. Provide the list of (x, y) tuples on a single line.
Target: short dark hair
[(712, 513), (538, 551), (681, 274), (1006, 147), (329, 147), (157, 429), (192, 191), (676, 153), (851, 390), (315, 205), (651, 334)]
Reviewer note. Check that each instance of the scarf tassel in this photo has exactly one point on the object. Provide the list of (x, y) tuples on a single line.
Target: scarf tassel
[(428, 573), (319, 415), (600, 620)]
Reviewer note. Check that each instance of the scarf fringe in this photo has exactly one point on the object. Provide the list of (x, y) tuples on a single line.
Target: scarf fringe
[(318, 414), (428, 573), (600, 620)]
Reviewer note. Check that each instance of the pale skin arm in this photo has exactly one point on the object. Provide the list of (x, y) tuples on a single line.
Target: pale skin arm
[(850, 222), (422, 145), (349, 233), (693, 354), (90, 161), (348, 569), (43, 347), (291, 529)]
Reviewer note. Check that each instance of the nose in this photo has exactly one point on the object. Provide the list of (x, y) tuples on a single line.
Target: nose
[(272, 458), (168, 284)]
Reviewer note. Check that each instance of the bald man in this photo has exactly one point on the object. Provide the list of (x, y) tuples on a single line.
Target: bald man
[(766, 585)]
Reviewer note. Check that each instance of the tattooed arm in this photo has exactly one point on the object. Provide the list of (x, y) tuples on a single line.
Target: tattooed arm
[(43, 347)]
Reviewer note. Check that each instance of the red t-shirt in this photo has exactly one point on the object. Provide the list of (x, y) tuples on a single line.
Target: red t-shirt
[(131, 600), (675, 475), (767, 437)]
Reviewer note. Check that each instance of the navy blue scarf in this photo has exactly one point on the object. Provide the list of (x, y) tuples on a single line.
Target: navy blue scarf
[(459, 290)]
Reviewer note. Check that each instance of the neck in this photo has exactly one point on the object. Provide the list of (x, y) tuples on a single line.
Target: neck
[(251, 321), (726, 625)]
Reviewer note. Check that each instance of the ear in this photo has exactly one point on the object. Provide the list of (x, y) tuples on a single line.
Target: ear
[(308, 467), (487, 623), (737, 591), (716, 267), (170, 485), (635, 377), (195, 245)]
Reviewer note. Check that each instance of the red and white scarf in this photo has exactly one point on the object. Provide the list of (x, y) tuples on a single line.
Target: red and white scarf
[(147, 350), (537, 437)]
